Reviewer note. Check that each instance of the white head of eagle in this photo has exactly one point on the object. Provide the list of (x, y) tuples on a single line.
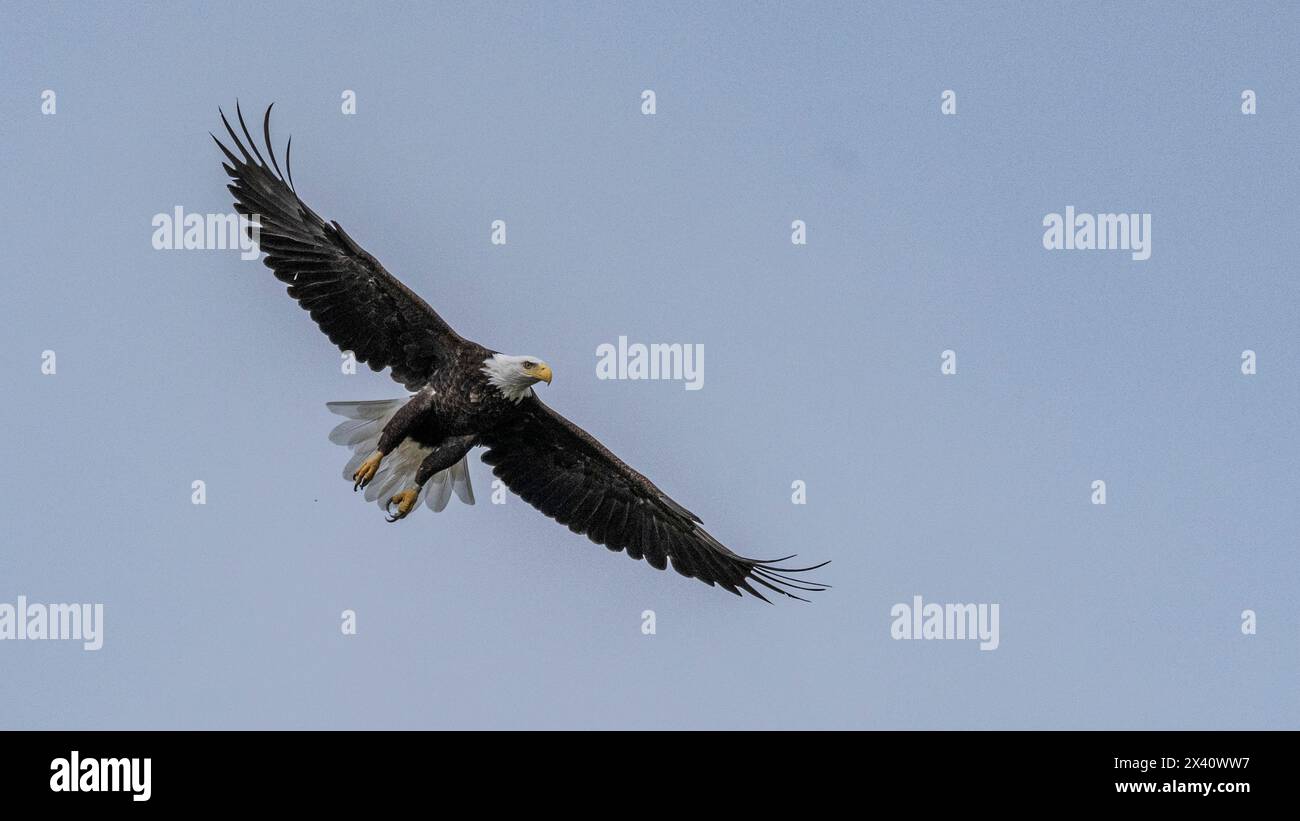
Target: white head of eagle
[(515, 376)]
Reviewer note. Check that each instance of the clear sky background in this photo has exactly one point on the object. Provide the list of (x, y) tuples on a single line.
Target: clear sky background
[(822, 362)]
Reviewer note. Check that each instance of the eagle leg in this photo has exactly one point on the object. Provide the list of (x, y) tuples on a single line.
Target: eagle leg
[(367, 471), (405, 502)]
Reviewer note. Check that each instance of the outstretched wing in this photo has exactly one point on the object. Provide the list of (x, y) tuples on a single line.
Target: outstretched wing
[(561, 470), (360, 306)]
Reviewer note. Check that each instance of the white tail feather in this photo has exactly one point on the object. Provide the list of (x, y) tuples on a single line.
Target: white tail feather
[(366, 421), (438, 492), (461, 483)]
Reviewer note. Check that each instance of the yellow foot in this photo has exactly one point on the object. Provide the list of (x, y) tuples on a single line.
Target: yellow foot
[(367, 471), (405, 501)]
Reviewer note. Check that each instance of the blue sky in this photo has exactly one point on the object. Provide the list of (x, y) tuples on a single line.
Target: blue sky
[(822, 365)]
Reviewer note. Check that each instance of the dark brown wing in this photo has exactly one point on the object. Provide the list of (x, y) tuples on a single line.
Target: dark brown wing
[(561, 470), (361, 307)]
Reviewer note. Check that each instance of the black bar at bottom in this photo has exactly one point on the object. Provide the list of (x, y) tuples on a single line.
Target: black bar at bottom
[(332, 769)]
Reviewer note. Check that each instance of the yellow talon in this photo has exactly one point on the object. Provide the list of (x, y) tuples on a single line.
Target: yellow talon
[(405, 501), (367, 471)]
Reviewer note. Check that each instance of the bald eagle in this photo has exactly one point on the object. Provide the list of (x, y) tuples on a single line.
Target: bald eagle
[(463, 396)]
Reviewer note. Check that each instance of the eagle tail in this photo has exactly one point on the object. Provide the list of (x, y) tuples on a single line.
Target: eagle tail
[(455, 478), (365, 423)]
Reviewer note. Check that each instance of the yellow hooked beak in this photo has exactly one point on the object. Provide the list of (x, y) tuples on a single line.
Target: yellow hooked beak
[(543, 373)]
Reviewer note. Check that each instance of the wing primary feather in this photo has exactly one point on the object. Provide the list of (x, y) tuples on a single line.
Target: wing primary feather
[(270, 146), (748, 588), (225, 151), (769, 563), (288, 163), (251, 142), (773, 587), (248, 158), (788, 583), (813, 586)]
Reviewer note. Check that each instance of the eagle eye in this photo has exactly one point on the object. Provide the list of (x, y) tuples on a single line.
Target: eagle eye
[(529, 365)]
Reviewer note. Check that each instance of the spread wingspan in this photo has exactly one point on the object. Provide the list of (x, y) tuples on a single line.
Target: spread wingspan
[(360, 306), (564, 472)]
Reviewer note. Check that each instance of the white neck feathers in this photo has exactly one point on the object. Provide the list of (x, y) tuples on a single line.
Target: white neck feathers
[(507, 375)]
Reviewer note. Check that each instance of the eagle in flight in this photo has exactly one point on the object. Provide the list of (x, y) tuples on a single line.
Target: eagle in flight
[(463, 396)]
